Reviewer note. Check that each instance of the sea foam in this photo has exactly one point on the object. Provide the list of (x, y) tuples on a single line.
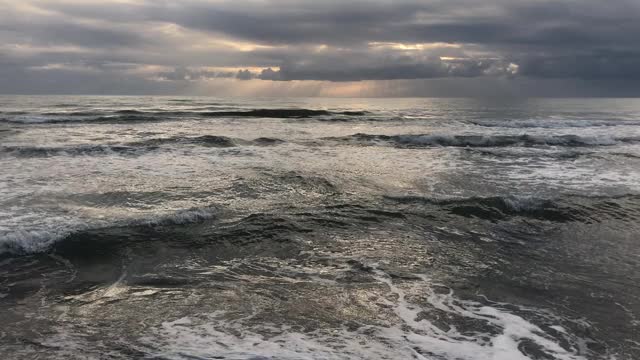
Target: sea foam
[(411, 337)]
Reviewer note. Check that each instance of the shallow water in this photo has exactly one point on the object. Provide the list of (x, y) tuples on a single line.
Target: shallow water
[(203, 228)]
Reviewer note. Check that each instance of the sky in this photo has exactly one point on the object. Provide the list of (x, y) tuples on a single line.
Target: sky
[(336, 48)]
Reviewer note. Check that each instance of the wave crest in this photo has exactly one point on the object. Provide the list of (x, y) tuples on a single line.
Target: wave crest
[(24, 241), (554, 123), (134, 148), (426, 140), (570, 209), (133, 116)]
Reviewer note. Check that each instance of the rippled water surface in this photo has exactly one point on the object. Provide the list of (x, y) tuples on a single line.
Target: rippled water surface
[(205, 228)]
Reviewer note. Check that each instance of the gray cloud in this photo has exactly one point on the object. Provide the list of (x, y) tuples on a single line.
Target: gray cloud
[(386, 69), (244, 75), (154, 43), (542, 22), (595, 65), (187, 74)]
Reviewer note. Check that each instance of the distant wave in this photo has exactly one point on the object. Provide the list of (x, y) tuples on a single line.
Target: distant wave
[(43, 151), (544, 153), (59, 118), (133, 148), (75, 113), (418, 141), (132, 115), (267, 141), (554, 123), (7, 132), (280, 113), (626, 155), (569, 209), (207, 140), (530, 153)]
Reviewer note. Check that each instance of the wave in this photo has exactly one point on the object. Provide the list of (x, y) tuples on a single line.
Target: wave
[(64, 105), (553, 123), (65, 235), (283, 226), (268, 141), (509, 153), (209, 141), (626, 155), (82, 118), (570, 209), (134, 148), (41, 151), (425, 140), (280, 113), (75, 113), (7, 132), (543, 153), (189, 229), (22, 242), (132, 115), (205, 140), (129, 111)]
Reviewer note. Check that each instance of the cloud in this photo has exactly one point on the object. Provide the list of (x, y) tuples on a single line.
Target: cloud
[(244, 75), (392, 69), (187, 74), (150, 44), (594, 65)]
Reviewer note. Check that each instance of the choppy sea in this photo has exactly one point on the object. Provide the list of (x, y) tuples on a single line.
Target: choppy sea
[(208, 228)]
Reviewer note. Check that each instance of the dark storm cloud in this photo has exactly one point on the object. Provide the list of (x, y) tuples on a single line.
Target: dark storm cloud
[(324, 40)]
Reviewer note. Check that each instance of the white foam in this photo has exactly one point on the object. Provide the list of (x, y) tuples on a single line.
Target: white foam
[(218, 335), (524, 203)]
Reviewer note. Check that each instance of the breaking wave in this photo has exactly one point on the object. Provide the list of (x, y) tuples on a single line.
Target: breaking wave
[(27, 241)]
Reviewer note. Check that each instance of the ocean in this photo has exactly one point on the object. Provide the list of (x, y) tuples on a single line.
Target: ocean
[(212, 228)]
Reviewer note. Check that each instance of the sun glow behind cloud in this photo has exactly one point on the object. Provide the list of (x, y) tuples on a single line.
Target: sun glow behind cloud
[(416, 47), (337, 48)]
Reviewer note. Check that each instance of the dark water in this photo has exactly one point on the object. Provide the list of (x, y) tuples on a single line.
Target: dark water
[(203, 228)]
